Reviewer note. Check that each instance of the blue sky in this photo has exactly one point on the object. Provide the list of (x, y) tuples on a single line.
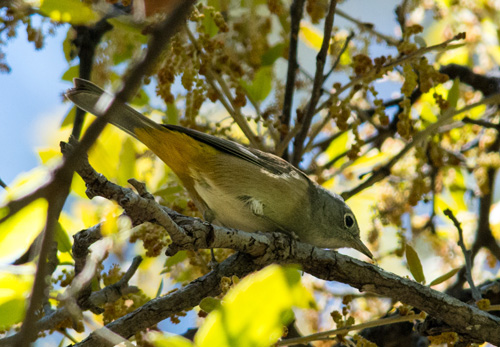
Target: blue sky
[(30, 96)]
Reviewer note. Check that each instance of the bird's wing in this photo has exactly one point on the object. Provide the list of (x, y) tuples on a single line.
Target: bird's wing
[(267, 161)]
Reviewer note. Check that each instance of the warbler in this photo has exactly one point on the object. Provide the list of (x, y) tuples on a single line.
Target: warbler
[(235, 186)]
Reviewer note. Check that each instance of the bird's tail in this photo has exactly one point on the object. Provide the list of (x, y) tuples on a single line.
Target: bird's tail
[(87, 96)]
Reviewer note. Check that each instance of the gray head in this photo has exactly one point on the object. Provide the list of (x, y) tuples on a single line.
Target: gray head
[(335, 225)]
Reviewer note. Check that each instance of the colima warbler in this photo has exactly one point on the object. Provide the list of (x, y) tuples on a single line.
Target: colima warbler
[(235, 186)]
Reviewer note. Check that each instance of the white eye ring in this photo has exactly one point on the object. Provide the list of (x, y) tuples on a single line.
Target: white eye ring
[(349, 220)]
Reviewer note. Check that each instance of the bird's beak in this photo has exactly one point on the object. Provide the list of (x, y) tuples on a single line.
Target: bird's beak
[(360, 246)]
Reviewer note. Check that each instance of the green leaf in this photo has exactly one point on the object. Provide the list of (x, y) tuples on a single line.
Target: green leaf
[(254, 311), (444, 277), (172, 114), (126, 161), (261, 85), (414, 264), (72, 72), (252, 4), (141, 99), (160, 289), (67, 45), (454, 93), (68, 11), (209, 304), (272, 54), (420, 41), (209, 24), (174, 260), (62, 239), (20, 230)]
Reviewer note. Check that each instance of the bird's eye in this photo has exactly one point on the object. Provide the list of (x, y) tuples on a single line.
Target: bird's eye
[(348, 220)]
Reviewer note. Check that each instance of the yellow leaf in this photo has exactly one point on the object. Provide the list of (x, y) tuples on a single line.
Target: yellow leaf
[(14, 289), (168, 340), (20, 230), (369, 161), (427, 113), (494, 52), (477, 112), (111, 222), (105, 154), (126, 162), (338, 146), (459, 55), (495, 220), (311, 35), (453, 200), (68, 11), (25, 183), (47, 154)]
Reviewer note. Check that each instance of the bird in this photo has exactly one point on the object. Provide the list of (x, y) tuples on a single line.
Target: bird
[(233, 185)]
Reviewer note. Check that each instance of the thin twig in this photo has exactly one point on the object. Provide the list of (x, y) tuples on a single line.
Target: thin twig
[(484, 236), (401, 11), (296, 12), (369, 28), (483, 123), (342, 51), (283, 145), (342, 331), (237, 115), (298, 149), (476, 295)]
